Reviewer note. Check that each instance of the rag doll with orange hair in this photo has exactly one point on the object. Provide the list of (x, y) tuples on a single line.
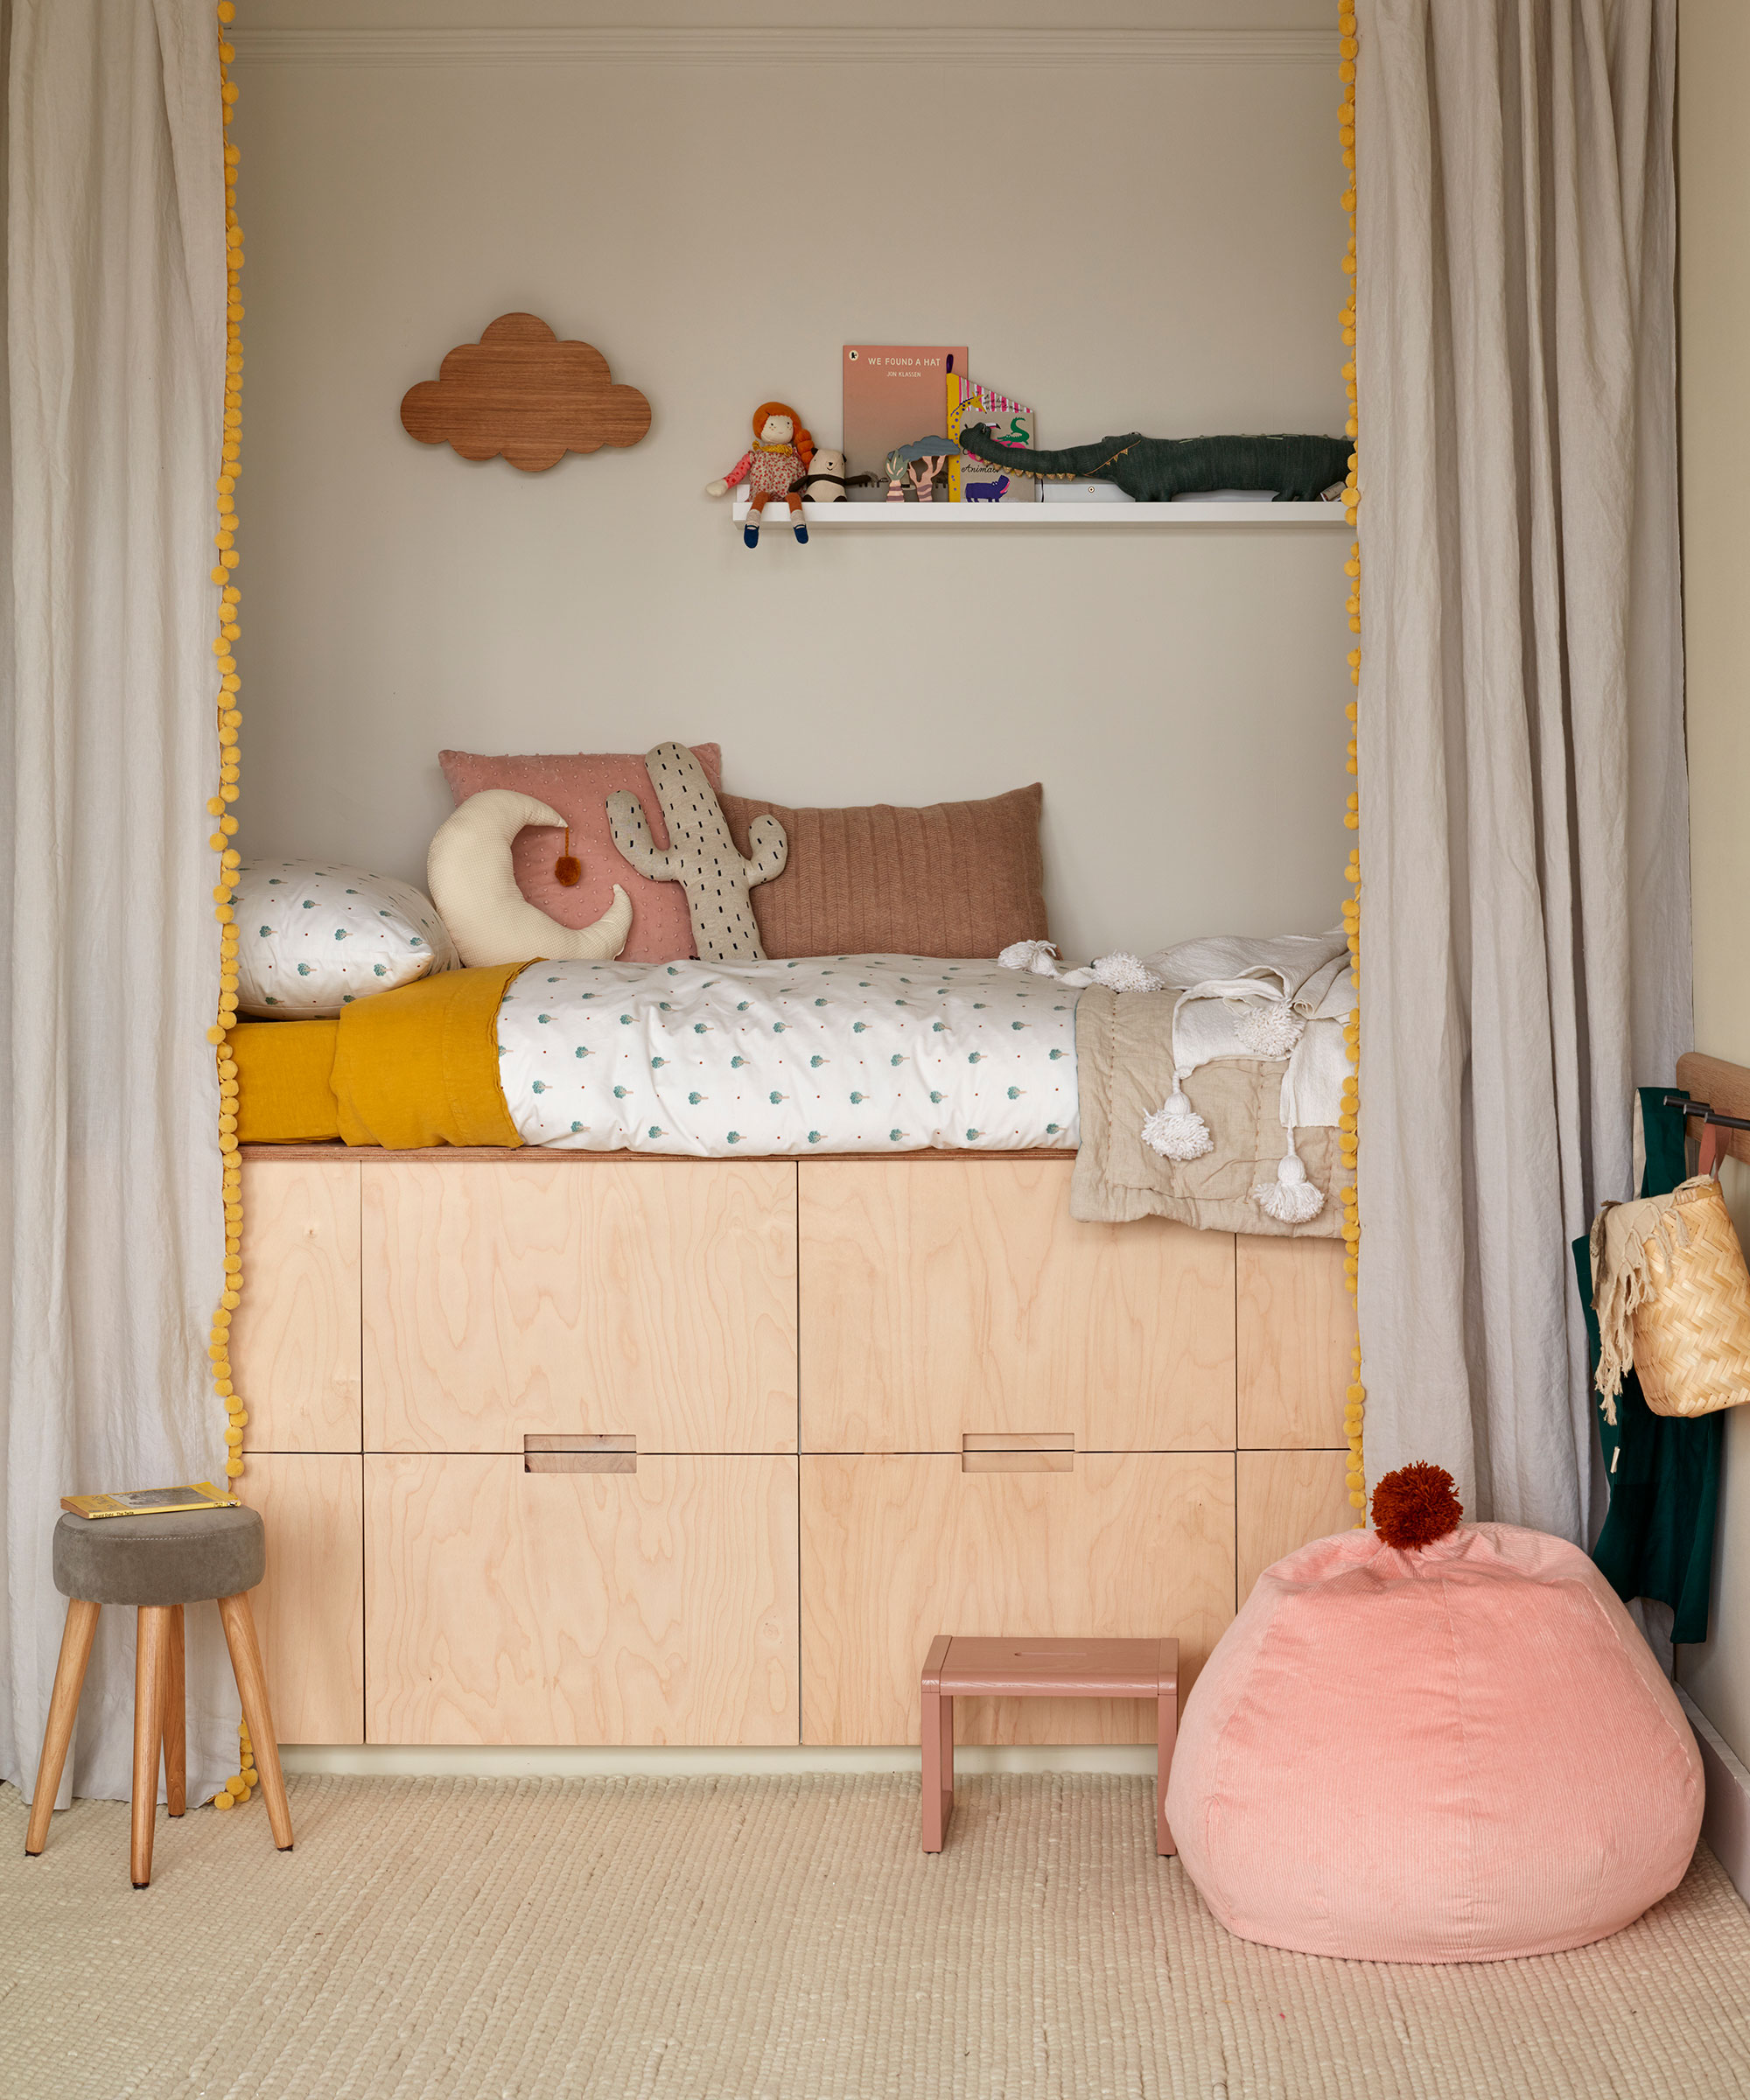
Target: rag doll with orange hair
[(777, 459)]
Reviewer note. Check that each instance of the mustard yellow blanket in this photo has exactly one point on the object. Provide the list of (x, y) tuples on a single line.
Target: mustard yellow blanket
[(405, 1069)]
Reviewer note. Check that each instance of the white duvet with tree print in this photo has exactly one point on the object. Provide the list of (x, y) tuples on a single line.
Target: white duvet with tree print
[(836, 1053)]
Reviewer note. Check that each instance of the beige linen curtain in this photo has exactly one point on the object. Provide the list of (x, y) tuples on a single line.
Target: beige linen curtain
[(1524, 813), (111, 1229)]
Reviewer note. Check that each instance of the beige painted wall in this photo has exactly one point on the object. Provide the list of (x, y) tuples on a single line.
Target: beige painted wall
[(1714, 227), (1146, 245)]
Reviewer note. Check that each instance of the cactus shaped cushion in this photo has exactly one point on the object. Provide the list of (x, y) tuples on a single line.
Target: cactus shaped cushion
[(701, 855)]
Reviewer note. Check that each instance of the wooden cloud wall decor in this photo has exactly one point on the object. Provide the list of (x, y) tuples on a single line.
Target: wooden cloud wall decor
[(520, 392)]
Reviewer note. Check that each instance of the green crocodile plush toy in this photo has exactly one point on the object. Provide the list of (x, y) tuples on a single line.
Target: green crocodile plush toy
[(1155, 470)]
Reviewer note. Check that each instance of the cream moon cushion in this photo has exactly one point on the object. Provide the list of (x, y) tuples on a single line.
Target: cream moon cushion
[(313, 936), (473, 876)]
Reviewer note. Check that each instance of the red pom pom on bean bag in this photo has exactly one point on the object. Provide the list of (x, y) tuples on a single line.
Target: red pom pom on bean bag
[(1458, 1751)]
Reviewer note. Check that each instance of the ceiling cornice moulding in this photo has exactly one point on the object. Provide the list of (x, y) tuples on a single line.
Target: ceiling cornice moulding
[(1042, 49)]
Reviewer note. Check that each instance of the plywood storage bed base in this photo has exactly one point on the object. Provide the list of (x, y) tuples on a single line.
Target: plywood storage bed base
[(561, 1447)]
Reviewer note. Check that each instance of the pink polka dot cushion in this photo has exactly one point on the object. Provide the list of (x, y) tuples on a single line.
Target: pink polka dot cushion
[(1459, 1753)]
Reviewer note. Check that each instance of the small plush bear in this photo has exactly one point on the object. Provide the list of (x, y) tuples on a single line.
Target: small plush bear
[(701, 855)]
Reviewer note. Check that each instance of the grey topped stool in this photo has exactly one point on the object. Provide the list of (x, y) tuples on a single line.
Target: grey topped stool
[(158, 1564)]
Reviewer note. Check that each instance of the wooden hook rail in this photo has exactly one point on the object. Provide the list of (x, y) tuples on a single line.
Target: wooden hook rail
[(1716, 1095)]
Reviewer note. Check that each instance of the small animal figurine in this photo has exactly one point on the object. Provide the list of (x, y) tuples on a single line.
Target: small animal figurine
[(825, 481), (771, 465), (985, 492)]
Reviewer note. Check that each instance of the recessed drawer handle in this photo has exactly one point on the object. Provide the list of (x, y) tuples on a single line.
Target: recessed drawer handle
[(580, 1455), (1019, 1451)]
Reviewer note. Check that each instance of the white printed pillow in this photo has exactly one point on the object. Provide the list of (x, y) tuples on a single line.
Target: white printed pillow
[(312, 939)]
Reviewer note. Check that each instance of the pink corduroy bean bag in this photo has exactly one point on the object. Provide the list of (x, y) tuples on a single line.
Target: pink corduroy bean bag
[(1459, 1753)]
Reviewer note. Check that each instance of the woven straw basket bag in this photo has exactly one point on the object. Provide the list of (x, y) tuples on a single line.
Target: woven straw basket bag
[(1693, 1324)]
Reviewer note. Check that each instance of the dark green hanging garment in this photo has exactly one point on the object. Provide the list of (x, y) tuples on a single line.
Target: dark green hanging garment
[(1657, 1540)]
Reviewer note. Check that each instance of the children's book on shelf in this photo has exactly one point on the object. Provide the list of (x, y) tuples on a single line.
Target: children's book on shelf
[(151, 1501), (1010, 422), (894, 393)]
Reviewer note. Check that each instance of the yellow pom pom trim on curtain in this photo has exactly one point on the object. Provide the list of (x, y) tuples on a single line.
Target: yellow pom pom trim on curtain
[(240, 1786), (229, 721), (1349, 1127)]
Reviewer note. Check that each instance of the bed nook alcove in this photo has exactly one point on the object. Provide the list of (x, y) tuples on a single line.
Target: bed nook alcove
[(564, 1444)]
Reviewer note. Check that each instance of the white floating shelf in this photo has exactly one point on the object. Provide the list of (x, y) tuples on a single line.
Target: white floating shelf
[(1038, 517)]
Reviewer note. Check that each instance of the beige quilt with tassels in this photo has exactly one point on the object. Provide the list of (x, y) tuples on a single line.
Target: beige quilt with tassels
[(1124, 1064)]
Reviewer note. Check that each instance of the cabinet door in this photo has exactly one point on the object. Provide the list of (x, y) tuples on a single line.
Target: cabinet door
[(899, 1548), (655, 1299), (294, 1338), (1296, 1326), (652, 1606), (310, 1607), (943, 1297), (1287, 1499)]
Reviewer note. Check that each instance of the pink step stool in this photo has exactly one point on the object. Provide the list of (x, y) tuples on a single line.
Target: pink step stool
[(959, 1667)]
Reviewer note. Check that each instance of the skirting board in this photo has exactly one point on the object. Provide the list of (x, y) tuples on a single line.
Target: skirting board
[(940, 46), (469, 1760), (1726, 1820)]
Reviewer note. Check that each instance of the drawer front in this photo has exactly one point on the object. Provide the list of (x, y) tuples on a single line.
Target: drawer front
[(1285, 1499), (1297, 1328), (295, 1339), (654, 1607), (651, 1300), (944, 1297), (310, 1607), (899, 1548)]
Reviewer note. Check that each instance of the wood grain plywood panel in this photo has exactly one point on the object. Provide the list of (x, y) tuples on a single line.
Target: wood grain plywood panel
[(654, 1607), (1283, 1500), (310, 1607), (897, 1549), (656, 1302), (1296, 1327), (966, 1299), (294, 1338)]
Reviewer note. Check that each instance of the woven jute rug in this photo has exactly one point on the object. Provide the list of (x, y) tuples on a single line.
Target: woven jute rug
[(783, 1937)]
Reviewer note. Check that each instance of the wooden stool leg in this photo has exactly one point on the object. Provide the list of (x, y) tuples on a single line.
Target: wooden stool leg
[(947, 1762), (151, 1657), (937, 1727), (931, 1734), (76, 1637), (1166, 1735), (175, 1723), (252, 1690)]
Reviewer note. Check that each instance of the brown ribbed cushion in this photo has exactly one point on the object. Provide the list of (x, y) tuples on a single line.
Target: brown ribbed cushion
[(956, 879)]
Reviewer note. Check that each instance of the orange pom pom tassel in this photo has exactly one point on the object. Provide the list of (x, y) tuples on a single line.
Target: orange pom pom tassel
[(1415, 1505), (568, 869)]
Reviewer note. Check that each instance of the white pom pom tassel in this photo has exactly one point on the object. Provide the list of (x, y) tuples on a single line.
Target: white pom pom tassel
[(1290, 1199), (1176, 1130), (1039, 956), (1269, 1029), (1123, 972)]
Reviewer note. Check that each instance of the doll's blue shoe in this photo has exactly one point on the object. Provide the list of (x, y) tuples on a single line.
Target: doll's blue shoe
[(750, 533), (802, 533)]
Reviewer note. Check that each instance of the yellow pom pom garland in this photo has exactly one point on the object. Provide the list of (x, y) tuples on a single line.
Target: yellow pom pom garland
[(223, 841), (1349, 1127)]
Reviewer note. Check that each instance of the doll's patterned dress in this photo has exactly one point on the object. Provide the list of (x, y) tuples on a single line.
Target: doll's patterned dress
[(769, 469)]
